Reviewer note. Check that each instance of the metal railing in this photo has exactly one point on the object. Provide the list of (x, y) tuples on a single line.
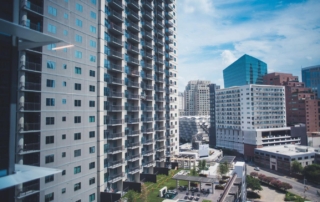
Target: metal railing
[(115, 135), (33, 66), (115, 149), (27, 190)]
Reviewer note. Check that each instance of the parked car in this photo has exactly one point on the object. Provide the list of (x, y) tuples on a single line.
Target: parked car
[(257, 168)]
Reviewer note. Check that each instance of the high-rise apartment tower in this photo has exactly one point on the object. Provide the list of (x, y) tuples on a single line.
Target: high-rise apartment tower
[(196, 96)]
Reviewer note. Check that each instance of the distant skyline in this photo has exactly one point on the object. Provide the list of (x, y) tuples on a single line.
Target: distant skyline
[(213, 34)]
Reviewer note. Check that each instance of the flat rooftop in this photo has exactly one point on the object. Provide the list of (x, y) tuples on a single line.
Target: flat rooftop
[(288, 150)]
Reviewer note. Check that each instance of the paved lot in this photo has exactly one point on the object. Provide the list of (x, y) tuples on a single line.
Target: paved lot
[(297, 186), (269, 194)]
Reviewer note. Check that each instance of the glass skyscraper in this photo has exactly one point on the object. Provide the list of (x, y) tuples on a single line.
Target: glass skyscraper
[(311, 78), (246, 70)]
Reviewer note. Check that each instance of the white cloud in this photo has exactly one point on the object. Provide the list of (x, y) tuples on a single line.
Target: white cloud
[(228, 57)]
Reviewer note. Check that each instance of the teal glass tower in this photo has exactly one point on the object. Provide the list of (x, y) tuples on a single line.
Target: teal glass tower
[(246, 70)]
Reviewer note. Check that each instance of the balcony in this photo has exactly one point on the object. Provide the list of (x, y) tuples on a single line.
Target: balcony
[(147, 76), (114, 150), (160, 80), (116, 16), (147, 65), (160, 158), (160, 51), (115, 121), (159, 23), (29, 148), (132, 37), (147, 4), (133, 96), (114, 136), (114, 67), (133, 108), (161, 138), (147, 15), (27, 190), (133, 4), (147, 55), (113, 28), (29, 106), (147, 119), (31, 25), (133, 145), (32, 7), (148, 164), (115, 178), (160, 128), (170, 136), (169, 15), (132, 15), (114, 164), (32, 66), (169, 23), (113, 40), (148, 153), (159, 99), (147, 44), (133, 133), (134, 170), (169, 49), (160, 15), (158, 33), (159, 90), (159, 108), (133, 26), (149, 130), (117, 4), (160, 118), (133, 84), (133, 49), (133, 121), (114, 95), (147, 87), (30, 86), (160, 149), (132, 60), (147, 108), (114, 54), (114, 108), (134, 73), (147, 35), (159, 42), (169, 41), (169, 32), (30, 126), (113, 80), (169, 7), (160, 6), (149, 97), (131, 158), (147, 25)]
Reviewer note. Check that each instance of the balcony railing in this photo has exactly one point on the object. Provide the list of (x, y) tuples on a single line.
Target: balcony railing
[(30, 106), (114, 53), (133, 60), (147, 65), (133, 84), (28, 190), (147, 108), (134, 170), (133, 108), (31, 86), (112, 150), (31, 6), (160, 128), (31, 126), (148, 163), (114, 27), (146, 153), (160, 149), (133, 133), (147, 119), (32, 66), (114, 164), (134, 4), (147, 44), (115, 121), (32, 25), (116, 3), (149, 130), (113, 136), (133, 145), (147, 14), (115, 94), (133, 157), (133, 96), (115, 15), (133, 121), (114, 178), (27, 148), (114, 66), (113, 40), (147, 4), (114, 108)]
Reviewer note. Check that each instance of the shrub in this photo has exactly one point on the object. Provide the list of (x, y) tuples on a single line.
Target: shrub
[(225, 177), (275, 183), (285, 185), (261, 176), (253, 195), (268, 179), (223, 181), (254, 174), (219, 187)]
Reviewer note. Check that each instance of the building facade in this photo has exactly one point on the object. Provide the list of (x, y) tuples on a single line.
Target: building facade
[(181, 103), (246, 115), (246, 70), (212, 129), (104, 109), (301, 102), (197, 97), (311, 78)]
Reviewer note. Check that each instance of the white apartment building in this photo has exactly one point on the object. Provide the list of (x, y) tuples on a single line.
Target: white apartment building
[(181, 103), (104, 110), (245, 115), (197, 98)]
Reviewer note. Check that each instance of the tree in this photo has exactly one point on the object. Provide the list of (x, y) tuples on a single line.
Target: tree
[(285, 186), (261, 177), (223, 168), (144, 193), (193, 171), (276, 183), (253, 183), (296, 167), (254, 174), (268, 179), (203, 164), (312, 172), (130, 196)]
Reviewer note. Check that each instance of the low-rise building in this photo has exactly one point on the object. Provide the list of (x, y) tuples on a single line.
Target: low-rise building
[(280, 157)]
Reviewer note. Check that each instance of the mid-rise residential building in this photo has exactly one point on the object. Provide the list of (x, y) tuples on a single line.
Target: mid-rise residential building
[(301, 102), (212, 129), (311, 77), (99, 103), (196, 96), (193, 125), (251, 116), (246, 70), (281, 157), (181, 103)]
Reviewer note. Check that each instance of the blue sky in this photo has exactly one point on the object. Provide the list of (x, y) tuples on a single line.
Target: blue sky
[(214, 33)]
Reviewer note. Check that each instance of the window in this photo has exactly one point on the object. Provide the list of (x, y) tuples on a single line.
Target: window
[(49, 178), (78, 54), (92, 134), (93, 15), (51, 46), (92, 88), (78, 38), (65, 15), (77, 103), (49, 139), (63, 154), (77, 86), (92, 73), (51, 65), (79, 7), (92, 181), (77, 119), (52, 28), (94, 2), (49, 197), (77, 70), (50, 83), (92, 165), (78, 22), (50, 101), (77, 186), (77, 152), (49, 120), (64, 118), (64, 66), (92, 58), (77, 136), (92, 150), (77, 170), (65, 32), (64, 83), (64, 101), (92, 197), (93, 29), (91, 103), (63, 190), (93, 44), (63, 136), (91, 119), (49, 158), (64, 172), (52, 11)]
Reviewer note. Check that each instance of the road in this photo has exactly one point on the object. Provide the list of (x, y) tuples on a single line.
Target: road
[(297, 186)]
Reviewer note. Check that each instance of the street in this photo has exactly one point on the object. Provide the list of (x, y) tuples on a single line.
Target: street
[(297, 187)]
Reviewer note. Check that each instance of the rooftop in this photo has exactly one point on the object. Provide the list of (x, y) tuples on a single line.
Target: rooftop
[(288, 150), (228, 159)]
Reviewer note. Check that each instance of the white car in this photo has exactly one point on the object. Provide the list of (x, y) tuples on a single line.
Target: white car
[(257, 168)]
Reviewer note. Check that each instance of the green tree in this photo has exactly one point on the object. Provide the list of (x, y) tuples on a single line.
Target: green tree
[(223, 168), (193, 171), (253, 183), (296, 167), (312, 172), (130, 196)]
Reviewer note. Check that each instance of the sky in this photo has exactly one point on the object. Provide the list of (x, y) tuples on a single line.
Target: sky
[(212, 34)]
